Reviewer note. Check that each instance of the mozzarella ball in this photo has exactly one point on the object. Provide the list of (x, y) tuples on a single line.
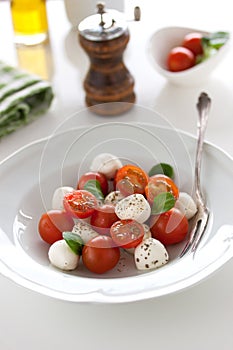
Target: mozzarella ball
[(133, 207), (186, 205), (59, 193), (84, 230), (61, 256), (150, 254), (113, 197), (106, 164)]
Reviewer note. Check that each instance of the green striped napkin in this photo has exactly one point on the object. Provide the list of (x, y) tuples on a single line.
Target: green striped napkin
[(23, 97)]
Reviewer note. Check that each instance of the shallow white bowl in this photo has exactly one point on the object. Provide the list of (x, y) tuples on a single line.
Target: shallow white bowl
[(163, 40), (29, 177)]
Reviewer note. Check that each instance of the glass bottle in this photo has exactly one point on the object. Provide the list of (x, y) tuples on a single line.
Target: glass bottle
[(36, 59), (29, 19)]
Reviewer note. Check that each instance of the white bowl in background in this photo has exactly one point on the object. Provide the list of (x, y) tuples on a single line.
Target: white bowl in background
[(163, 40)]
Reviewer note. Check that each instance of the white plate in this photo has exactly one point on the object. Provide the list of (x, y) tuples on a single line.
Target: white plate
[(29, 177)]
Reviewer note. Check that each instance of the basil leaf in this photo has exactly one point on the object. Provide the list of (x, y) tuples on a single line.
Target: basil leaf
[(162, 168), (215, 40), (74, 241), (94, 187), (208, 52), (211, 43), (163, 202)]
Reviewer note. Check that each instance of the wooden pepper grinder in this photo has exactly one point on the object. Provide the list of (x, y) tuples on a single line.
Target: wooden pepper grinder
[(104, 36)]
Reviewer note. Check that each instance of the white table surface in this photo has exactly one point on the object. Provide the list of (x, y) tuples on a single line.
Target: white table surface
[(197, 318)]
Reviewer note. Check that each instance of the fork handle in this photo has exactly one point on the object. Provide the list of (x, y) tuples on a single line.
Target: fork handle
[(203, 107)]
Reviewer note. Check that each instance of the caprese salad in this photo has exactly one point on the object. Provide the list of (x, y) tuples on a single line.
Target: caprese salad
[(116, 207), (194, 49)]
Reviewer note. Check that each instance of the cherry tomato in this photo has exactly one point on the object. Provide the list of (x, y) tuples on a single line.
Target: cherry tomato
[(160, 183), (80, 203), (131, 179), (193, 42), (127, 233), (53, 223), (180, 59), (103, 218), (100, 254), (170, 227), (94, 176)]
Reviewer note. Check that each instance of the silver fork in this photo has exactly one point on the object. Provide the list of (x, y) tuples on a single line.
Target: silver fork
[(201, 218)]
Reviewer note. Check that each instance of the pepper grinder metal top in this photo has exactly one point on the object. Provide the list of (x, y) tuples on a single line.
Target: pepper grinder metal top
[(104, 37)]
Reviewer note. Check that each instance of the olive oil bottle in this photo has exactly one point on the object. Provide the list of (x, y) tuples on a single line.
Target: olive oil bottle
[(29, 19)]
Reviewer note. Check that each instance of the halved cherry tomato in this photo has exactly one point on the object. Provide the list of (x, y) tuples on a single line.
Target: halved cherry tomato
[(180, 58), (80, 203), (103, 218), (52, 224), (100, 254), (94, 176), (127, 233), (131, 179), (193, 42), (160, 183), (170, 227)]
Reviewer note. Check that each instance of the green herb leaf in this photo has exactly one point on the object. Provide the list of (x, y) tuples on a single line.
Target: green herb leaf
[(211, 44), (163, 202), (94, 187), (162, 168), (215, 40), (74, 241), (208, 52)]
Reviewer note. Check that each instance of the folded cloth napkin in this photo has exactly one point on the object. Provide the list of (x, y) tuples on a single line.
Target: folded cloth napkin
[(23, 97)]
